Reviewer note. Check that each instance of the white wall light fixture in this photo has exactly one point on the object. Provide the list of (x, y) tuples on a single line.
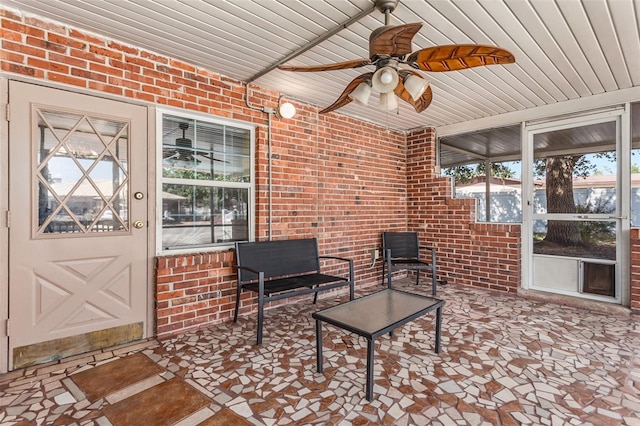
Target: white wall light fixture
[(285, 109)]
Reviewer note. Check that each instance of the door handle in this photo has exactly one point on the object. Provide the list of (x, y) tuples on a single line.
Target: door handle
[(138, 224), (618, 217)]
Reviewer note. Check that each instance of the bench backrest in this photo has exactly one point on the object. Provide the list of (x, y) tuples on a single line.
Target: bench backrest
[(403, 245), (277, 258)]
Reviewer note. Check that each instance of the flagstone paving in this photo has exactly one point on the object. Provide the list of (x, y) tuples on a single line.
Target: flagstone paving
[(505, 360)]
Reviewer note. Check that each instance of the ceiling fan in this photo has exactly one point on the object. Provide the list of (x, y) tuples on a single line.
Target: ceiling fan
[(184, 150), (389, 50)]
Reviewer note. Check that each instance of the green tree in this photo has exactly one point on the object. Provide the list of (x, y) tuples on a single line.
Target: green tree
[(464, 174)]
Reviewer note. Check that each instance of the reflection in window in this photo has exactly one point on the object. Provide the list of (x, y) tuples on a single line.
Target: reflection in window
[(206, 183), (82, 172)]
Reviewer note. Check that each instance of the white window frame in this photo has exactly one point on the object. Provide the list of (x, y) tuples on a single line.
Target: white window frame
[(160, 180)]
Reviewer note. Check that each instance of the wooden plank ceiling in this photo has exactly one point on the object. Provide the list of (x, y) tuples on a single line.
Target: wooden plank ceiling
[(565, 49)]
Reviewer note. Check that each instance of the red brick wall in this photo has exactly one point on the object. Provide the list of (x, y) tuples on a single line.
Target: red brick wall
[(635, 270), (333, 177), (483, 255)]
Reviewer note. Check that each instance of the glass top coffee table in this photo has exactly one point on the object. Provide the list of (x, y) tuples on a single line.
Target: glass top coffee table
[(374, 315)]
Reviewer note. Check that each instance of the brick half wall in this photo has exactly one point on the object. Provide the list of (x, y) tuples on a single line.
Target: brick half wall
[(193, 290), (486, 255)]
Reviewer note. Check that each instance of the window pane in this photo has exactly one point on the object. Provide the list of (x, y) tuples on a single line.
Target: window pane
[(505, 190), (201, 215), (82, 174), (200, 150), (598, 238)]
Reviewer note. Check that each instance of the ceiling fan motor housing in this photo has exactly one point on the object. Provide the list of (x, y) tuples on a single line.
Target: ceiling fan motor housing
[(183, 144), (384, 5)]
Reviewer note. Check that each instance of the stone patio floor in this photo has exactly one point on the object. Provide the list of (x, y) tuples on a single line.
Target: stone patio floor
[(505, 360)]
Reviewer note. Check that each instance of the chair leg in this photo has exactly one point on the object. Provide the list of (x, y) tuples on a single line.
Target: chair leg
[(417, 276), (315, 296), (260, 317), (434, 279)]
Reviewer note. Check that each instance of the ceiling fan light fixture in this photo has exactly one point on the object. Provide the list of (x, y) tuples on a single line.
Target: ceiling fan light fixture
[(416, 86), (361, 93), (385, 80), (388, 102)]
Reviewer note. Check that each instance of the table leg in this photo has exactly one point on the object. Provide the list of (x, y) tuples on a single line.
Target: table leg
[(369, 390), (319, 345), (438, 327)]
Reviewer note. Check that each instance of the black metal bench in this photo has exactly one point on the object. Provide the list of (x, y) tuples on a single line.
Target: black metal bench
[(281, 269)]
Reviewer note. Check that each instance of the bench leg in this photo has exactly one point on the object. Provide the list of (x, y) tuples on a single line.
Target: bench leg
[(319, 345), (438, 327), (260, 319), (235, 314), (369, 389)]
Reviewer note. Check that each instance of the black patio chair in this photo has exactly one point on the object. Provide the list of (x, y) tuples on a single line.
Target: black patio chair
[(401, 250)]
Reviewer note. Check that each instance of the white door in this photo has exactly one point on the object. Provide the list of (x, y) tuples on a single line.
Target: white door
[(577, 212), (78, 274)]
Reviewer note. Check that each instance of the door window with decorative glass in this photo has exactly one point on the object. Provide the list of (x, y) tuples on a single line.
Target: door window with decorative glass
[(206, 184)]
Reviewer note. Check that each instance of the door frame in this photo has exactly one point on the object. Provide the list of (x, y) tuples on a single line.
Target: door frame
[(621, 115), (4, 230), (149, 329)]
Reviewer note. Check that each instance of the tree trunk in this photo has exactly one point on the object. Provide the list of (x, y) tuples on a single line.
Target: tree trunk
[(559, 180)]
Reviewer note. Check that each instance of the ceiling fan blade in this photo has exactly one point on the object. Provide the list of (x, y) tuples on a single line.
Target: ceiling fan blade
[(356, 63), (168, 153), (423, 101), (344, 98), (394, 40), (210, 157), (459, 56)]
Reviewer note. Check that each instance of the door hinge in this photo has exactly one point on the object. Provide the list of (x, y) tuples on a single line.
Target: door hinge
[(8, 219), (8, 112), (8, 328)]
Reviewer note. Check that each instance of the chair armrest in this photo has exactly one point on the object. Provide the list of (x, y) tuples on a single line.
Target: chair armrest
[(426, 248)]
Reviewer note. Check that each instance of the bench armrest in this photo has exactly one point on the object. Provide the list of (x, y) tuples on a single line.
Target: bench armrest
[(334, 257), (247, 268), (351, 275)]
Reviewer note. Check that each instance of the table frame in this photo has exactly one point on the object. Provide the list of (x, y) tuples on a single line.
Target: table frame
[(320, 316)]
